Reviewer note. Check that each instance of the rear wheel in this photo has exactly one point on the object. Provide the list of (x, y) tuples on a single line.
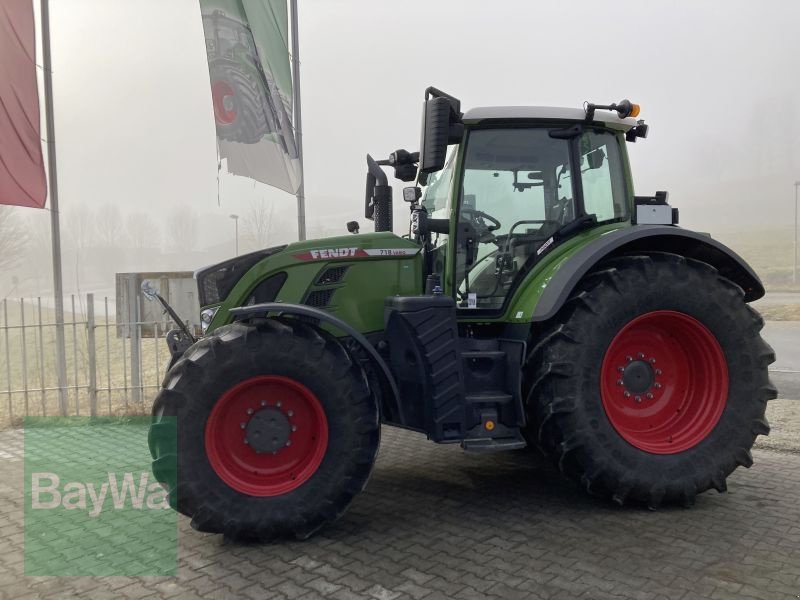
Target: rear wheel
[(277, 430), (651, 384)]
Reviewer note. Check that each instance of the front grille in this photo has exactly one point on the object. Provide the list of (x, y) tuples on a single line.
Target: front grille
[(319, 299), (331, 275)]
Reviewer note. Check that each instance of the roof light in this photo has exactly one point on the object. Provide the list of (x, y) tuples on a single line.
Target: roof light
[(624, 109)]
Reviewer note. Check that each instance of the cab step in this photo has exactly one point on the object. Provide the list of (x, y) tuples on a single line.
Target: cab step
[(489, 397), (487, 445)]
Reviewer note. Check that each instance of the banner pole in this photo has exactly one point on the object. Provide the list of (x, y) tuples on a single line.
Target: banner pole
[(298, 124), (55, 225)]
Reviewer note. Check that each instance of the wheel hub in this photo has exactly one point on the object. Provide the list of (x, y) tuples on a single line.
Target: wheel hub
[(268, 430), (266, 435), (638, 377), (664, 382)]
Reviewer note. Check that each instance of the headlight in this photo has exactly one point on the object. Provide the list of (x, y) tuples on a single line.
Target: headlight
[(206, 316)]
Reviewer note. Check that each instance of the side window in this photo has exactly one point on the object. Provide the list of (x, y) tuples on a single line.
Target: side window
[(507, 196), (562, 208), (516, 193), (602, 175)]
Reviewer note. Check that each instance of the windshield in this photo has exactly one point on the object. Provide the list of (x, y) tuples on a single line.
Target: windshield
[(436, 200), (436, 195)]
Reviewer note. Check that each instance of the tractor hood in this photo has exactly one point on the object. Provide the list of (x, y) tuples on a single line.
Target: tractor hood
[(366, 245), (349, 276), (214, 283)]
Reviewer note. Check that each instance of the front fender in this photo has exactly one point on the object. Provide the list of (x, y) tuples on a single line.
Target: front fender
[(244, 313), (645, 238)]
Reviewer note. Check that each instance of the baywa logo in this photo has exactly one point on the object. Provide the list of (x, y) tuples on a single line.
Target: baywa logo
[(92, 504), (118, 493)]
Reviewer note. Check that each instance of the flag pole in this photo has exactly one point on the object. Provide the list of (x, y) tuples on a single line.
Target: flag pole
[(298, 124), (55, 225)]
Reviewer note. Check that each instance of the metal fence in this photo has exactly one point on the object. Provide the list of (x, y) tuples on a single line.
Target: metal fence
[(111, 368)]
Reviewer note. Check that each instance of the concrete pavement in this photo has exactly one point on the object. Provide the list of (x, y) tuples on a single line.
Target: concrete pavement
[(436, 524)]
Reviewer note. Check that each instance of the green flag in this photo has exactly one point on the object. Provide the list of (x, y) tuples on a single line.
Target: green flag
[(247, 45)]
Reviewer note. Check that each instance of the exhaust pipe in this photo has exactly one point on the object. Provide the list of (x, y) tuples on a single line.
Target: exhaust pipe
[(378, 201)]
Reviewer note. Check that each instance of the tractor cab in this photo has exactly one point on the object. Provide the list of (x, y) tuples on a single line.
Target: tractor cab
[(501, 188)]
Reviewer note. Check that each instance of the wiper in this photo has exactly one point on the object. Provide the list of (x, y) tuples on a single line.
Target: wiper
[(575, 226)]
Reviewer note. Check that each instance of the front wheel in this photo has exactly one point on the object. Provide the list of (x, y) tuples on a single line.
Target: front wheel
[(277, 431), (651, 384)]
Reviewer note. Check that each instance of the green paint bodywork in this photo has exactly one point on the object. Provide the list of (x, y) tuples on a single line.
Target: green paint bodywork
[(359, 297)]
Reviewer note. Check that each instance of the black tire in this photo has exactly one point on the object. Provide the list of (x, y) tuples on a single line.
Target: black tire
[(566, 414), (285, 348)]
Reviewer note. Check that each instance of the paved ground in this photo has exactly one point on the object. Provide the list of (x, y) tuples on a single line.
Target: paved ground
[(784, 337), (777, 298), (435, 523)]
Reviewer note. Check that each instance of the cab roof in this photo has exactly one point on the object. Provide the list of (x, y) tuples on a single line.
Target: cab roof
[(546, 113)]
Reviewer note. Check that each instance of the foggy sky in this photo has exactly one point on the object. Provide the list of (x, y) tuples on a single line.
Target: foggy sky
[(718, 81)]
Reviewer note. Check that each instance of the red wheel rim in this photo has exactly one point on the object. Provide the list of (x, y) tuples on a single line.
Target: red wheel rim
[(266, 436), (222, 98), (664, 382)]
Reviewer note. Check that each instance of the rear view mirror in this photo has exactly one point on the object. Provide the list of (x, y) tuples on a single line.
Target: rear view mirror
[(441, 125), (595, 159), (435, 132)]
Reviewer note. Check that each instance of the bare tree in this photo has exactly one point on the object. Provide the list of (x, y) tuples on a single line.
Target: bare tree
[(258, 223), (182, 229), (143, 231), (108, 221), (79, 226), (13, 238), (79, 221)]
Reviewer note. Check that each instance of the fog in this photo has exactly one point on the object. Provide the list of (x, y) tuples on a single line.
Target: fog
[(718, 82)]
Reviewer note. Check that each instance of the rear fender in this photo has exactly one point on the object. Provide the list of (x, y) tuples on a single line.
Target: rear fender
[(643, 239)]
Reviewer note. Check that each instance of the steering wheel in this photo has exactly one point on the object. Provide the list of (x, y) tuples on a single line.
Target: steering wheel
[(474, 215)]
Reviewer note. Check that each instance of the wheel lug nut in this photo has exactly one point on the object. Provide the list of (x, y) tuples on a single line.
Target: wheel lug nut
[(242, 425), (619, 382), (621, 369), (290, 413), (640, 355), (629, 358), (249, 411), (658, 371), (658, 386), (638, 398), (278, 404), (649, 395), (263, 403), (245, 441), (627, 394), (652, 361), (288, 442), (294, 427)]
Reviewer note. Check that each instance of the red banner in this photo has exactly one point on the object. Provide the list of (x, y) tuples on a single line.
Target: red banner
[(22, 178)]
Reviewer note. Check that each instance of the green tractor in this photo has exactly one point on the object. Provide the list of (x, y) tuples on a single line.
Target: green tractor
[(535, 301)]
